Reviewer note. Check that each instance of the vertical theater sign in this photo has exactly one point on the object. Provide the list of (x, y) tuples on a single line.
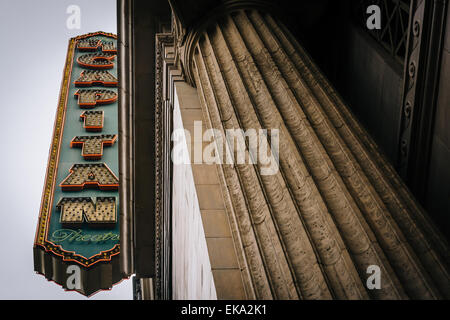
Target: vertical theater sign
[(77, 237)]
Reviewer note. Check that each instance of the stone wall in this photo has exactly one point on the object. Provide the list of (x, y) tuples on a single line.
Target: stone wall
[(205, 262), (192, 275), (366, 70)]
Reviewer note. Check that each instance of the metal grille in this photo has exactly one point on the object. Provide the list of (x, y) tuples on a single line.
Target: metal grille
[(393, 34)]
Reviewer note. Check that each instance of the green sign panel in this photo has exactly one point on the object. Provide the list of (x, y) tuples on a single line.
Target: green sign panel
[(79, 218)]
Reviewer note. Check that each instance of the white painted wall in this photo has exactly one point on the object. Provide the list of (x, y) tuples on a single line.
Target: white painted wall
[(191, 269)]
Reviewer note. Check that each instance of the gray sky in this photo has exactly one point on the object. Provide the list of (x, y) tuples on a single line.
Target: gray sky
[(34, 40)]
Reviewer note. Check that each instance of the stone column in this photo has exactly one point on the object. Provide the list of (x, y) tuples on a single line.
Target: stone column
[(335, 206)]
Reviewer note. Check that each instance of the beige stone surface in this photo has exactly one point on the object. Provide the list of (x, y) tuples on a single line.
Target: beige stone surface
[(202, 240), (215, 224), (191, 268), (191, 115), (209, 196), (221, 253), (229, 280), (205, 174)]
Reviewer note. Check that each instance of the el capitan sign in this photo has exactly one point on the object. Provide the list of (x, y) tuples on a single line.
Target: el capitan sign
[(78, 225)]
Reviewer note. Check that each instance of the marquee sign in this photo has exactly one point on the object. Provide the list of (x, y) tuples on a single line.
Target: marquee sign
[(78, 222)]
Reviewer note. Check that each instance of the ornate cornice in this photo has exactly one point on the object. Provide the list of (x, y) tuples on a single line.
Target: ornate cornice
[(187, 36)]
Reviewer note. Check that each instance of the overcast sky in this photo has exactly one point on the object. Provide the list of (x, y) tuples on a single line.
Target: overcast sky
[(34, 37)]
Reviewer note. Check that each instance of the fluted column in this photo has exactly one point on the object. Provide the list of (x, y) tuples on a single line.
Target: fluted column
[(335, 206)]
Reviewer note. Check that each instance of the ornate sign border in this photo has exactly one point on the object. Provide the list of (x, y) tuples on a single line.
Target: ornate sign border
[(52, 167)]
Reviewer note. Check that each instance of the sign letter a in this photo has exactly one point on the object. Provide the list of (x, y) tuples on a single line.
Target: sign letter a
[(96, 175)]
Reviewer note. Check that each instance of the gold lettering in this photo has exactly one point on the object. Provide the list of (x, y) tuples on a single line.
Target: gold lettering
[(96, 175), (77, 210)]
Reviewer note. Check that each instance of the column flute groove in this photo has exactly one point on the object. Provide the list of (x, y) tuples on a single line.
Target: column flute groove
[(242, 202), (252, 246), (244, 170), (352, 226), (252, 122), (320, 225), (233, 123)]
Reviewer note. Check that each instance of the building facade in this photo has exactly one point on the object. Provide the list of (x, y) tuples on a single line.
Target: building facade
[(277, 151), (351, 122)]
